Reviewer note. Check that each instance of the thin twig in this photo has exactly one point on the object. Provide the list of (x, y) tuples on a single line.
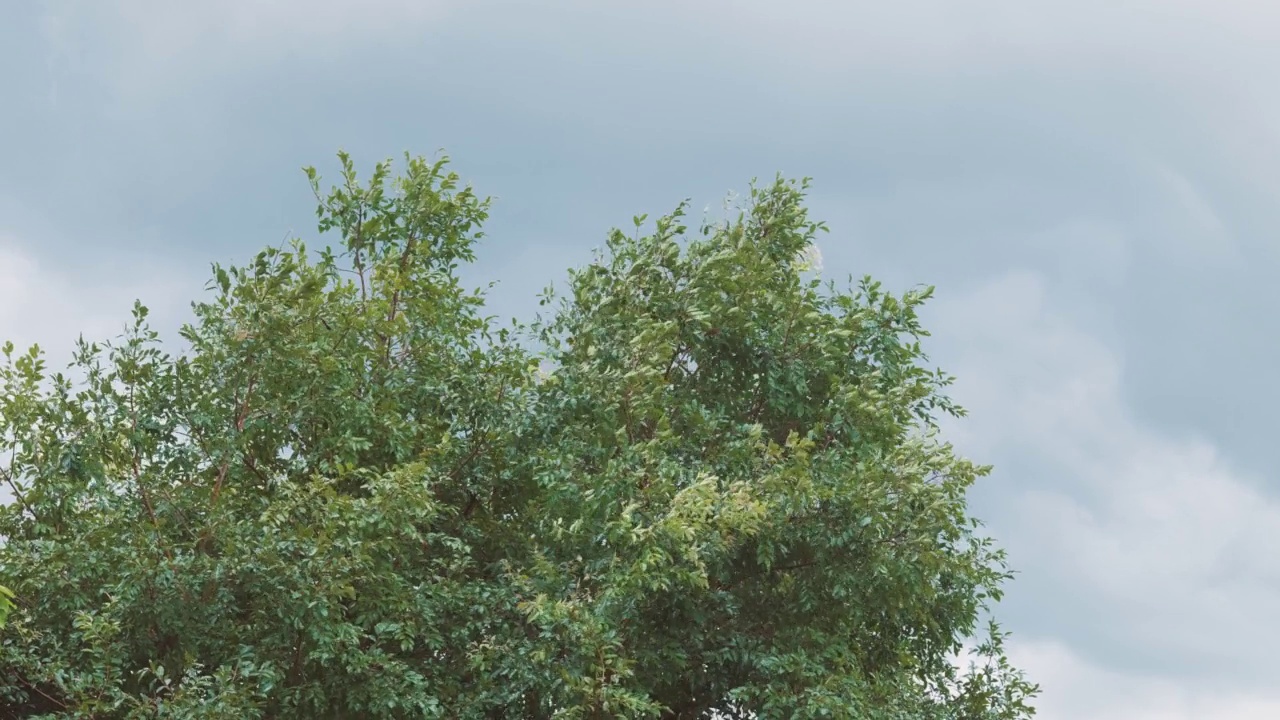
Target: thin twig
[(242, 413), (137, 461), (43, 694), (476, 447), (359, 261), (395, 295), (13, 486)]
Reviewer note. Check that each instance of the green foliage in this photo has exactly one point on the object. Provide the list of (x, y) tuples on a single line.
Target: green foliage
[(6, 604), (353, 496)]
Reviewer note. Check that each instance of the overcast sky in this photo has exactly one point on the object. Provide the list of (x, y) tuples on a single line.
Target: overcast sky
[(1092, 185)]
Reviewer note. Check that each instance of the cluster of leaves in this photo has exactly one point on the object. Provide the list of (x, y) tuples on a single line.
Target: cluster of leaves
[(6, 604), (716, 491)]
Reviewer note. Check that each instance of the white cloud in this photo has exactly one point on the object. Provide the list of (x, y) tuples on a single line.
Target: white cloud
[(1076, 689), (1181, 550), (40, 304)]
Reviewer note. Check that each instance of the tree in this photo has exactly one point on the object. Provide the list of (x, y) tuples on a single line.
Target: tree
[(717, 489)]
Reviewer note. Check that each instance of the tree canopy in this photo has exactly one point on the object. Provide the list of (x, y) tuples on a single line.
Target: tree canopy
[(705, 485)]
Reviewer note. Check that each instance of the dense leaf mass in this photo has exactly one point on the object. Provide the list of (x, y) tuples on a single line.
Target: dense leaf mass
[(714, 490)]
